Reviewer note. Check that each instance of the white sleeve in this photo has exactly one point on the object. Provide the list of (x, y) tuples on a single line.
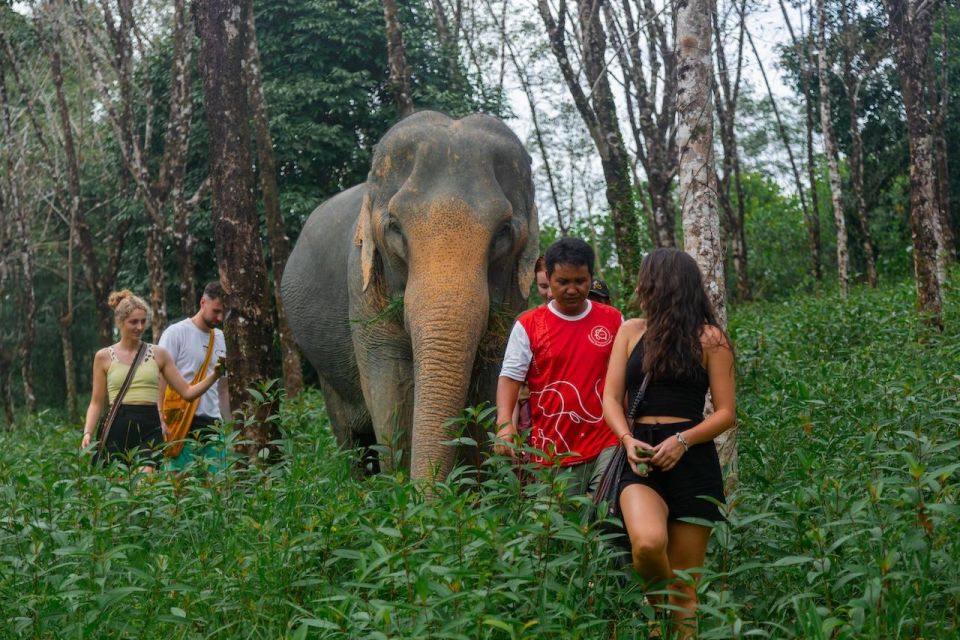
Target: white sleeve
[(169, 341), (516, 359)]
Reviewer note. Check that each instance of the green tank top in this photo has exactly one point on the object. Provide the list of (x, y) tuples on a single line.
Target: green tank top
[(145, 384)]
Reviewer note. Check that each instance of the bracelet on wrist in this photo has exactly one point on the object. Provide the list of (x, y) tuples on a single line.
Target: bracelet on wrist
[(683, 441), (624, 436)]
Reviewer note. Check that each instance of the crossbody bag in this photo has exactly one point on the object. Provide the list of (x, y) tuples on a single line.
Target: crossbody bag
[(608, 488), (115, 407)]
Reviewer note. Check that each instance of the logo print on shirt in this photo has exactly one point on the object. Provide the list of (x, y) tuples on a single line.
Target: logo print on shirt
[(600, 336)]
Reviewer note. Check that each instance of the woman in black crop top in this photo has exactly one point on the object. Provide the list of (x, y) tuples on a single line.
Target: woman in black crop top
[(672, 459)]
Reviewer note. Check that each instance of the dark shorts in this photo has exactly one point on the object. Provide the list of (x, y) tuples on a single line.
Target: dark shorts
[(135, 432), (695, 475), (202, 427)]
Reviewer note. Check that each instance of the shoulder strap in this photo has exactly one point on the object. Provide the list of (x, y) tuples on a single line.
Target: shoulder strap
[(115, 407), (637, 400), (202, 371)]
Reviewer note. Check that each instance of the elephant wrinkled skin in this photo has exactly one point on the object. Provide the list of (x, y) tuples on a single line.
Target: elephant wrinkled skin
[(444, 229)]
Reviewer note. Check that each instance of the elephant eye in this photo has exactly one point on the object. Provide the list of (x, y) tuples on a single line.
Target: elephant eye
[(393, 236), (503, 239)]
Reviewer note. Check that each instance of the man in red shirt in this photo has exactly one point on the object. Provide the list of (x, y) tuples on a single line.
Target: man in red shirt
[(560, 350)]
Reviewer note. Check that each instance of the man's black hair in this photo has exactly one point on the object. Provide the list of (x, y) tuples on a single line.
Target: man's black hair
[(214, 291), (572, 251)]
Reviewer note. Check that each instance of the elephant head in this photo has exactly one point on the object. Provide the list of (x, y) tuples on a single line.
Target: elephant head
[(448, 222)]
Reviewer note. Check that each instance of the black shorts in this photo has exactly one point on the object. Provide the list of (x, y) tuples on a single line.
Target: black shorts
[(135, 432), (202, 427), (695, 475)]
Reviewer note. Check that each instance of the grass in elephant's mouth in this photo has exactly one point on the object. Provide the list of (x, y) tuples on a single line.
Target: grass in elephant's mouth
[(391, 312)]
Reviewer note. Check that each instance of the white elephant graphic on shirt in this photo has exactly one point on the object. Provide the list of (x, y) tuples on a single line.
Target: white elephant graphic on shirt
[(559, 401)]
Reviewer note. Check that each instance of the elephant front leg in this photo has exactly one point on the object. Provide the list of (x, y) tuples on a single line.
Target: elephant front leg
[(386, 377)]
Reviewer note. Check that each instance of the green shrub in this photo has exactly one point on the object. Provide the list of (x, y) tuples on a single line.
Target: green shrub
[(844, 524)]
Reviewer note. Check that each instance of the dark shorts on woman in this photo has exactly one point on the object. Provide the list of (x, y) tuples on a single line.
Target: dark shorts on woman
[(682, 488), (135, 432)]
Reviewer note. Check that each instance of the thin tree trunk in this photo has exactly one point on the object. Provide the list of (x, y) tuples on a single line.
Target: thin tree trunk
[(911, 27), (698, 184), (812, 215), (600, 116), (66, 317), (654, 133), (399, 70), (939, 101), (535, 120), (726, 94), (276, 234), (448, 43), (154, 188), (830, 147), (613, 154), (6, 390), (23, 250), (852, 85), (69, 367), (221, 25), (856, 171), (100, 282), (158, 294), (183, 242)]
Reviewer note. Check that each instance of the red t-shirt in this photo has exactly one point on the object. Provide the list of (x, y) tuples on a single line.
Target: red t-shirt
[(567, 368)]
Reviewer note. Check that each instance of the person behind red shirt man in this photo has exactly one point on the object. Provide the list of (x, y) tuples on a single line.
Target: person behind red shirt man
[(560, 350)]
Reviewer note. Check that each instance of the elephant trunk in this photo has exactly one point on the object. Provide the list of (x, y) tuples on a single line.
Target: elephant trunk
[(445, 323)]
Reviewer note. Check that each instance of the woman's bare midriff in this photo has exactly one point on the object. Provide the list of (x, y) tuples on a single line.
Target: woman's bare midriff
[(660, 420)]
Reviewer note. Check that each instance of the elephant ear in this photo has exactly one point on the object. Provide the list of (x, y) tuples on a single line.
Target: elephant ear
[(528, 259), (364, 239)]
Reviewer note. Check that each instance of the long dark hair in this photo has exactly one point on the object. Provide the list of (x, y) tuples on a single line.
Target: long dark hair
[(671, 293)]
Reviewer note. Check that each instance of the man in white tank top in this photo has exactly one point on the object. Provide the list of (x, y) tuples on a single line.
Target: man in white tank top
[(186, 341)]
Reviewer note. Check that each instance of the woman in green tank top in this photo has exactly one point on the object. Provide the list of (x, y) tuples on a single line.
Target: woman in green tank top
[(136, 429)]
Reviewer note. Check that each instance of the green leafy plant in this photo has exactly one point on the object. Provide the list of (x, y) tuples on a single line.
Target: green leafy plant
[(843, 524)]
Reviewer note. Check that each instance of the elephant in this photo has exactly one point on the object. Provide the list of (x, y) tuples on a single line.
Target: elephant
[(401, 290)]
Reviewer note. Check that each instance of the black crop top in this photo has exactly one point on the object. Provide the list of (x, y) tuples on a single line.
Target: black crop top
[(678, 397)]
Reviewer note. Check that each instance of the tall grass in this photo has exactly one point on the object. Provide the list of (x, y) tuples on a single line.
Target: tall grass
[(845, 524)]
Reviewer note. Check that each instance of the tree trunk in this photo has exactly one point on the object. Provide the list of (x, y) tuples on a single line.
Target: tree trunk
[(600, 116), (221, 25), (183, 241), (852, 85), (939, 101), (66, 317), (698, 184), (654, 133), (911, 29), (276, 234), (726, 93), (23, 250), (830, 147), (811, 215), (399, 71), (613, 154), (6, 390), (158, 295), (856, 176), (100, 282), (109, 52), (534, 116), (69, 366), (785, 138)]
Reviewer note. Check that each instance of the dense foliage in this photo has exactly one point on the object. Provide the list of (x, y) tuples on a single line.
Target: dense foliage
[(844, 524)]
